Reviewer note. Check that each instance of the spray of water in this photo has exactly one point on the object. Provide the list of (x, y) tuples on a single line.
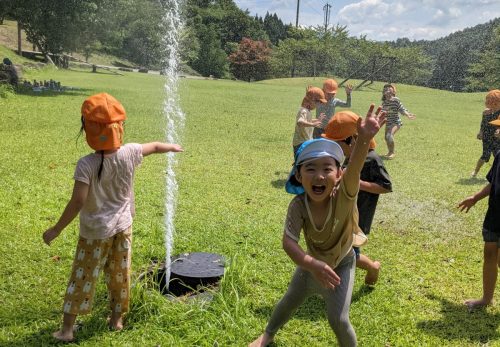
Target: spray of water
[(174, 117)]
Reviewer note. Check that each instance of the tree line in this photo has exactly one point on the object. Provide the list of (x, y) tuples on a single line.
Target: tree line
[(223, 41)]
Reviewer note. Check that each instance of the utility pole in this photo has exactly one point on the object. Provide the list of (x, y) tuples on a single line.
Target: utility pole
[(327, 9), (297, 17)]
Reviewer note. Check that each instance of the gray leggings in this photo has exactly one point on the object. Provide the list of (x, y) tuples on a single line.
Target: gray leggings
[(337, 300)]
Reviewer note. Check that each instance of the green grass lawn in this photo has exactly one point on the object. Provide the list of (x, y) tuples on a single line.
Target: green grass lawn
[(237, 142)]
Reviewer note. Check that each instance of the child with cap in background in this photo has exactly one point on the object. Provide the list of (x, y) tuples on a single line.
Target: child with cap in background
[(491, 144), (393, 107), (491, 228), (330, 228), (103, 196), (330, 88), (305, 123), (374, 180)]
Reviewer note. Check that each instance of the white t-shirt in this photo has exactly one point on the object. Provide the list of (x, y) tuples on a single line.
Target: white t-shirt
[(107, 210)]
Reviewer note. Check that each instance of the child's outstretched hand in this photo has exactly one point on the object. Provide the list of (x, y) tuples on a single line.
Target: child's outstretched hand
[(369, 127), (467, 204), (176, 148), (411, 116), (324, 274), (49, 235), (348, 89)]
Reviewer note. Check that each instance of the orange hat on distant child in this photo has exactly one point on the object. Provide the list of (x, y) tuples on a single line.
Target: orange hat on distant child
[(314, 94), (343, 124), (493, 100), (330, 86), (103, 118)]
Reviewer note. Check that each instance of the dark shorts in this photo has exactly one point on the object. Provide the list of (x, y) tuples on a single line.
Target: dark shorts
[(489, 236), (490, 147)]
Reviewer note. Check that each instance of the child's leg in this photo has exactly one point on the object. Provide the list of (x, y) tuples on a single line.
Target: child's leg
[(338, 302), (390, 130), (371, 267), (298, 291), (490, 272), (117, 276), (479, 164), (81, 286)]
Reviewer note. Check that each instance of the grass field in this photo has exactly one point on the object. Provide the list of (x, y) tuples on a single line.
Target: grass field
[(237, 142)]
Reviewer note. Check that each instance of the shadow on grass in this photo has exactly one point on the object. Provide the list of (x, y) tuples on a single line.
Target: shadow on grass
[(457, 323), (362, 291), (51, 93), (472, 181), (279, 183)]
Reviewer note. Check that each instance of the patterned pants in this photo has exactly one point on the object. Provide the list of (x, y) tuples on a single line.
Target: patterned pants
[(113, 256)]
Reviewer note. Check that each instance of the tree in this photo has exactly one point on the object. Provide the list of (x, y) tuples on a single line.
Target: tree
[(211, 60), (250, 61), (484, 75)]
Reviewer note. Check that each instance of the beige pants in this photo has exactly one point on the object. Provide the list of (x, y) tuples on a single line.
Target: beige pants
[(111, 255)]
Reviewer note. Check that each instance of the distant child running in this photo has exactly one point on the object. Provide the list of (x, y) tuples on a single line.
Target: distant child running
[(330, 88), (491, 229), (491, 144), (393, 107), (330, 228), (374, 180), (102, 194), (304, 122)]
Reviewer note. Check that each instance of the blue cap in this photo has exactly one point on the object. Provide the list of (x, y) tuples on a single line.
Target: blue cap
[(309, 150)]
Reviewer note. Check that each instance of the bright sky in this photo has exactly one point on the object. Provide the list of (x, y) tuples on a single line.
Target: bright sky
[(384, 19)]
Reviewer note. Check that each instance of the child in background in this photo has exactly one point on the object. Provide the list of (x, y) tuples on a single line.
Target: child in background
[(330, 88), (330, 228), (491, 228), (102, 194), (374, 180), (393, 107), (491, 145), (304, 121)]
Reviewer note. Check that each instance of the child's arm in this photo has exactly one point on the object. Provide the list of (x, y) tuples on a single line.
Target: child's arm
[(471, 200), (160, 147), (75, 204), (314, 123), (372, 187), (367, 129), (347, 103), (319, 269)]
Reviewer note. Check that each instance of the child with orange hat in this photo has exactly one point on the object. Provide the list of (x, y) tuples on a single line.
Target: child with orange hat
[(393, 106), (491, 227), (304, 122), (491, 144), (330, 88), (374, 180), (103, 196)]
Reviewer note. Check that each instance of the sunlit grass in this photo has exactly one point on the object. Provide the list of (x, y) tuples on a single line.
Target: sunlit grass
[(237, 156)]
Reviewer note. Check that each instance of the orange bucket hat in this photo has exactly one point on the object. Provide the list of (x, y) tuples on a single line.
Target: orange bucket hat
[(103, 118), (313, 94), (493, 100), (330, 86), (343, 125)]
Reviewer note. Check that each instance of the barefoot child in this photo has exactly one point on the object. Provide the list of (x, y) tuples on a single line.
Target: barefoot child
[(374, 180), (305, 123), (486, 134), (491, 229), (330, 88), (393, 107), (102, 194), (330, 228)]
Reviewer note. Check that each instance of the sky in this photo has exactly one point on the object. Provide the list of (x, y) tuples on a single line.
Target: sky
[(382, 20)]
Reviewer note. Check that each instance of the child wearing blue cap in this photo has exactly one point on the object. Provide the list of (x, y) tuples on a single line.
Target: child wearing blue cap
[(328, 218)]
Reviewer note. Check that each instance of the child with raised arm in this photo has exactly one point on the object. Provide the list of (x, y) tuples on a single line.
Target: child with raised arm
[(103, 196), (491, 229), (393, 107), (329, 223), (491, 144), (304, 122), (374, 180), (326, 111)]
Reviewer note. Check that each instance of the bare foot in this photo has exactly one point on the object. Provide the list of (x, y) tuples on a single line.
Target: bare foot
[(115, 322), (473, 304), (390, 155), (262, 341), (372, 275), (64, 337)]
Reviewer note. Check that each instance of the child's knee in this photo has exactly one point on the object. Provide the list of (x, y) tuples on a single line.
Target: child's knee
[(389, 137)]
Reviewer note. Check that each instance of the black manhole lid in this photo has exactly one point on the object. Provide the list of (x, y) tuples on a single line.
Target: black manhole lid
[(198, 265)]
